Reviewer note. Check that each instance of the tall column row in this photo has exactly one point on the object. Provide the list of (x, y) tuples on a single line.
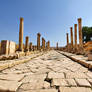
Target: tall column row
[(29, 47), (74, 47)]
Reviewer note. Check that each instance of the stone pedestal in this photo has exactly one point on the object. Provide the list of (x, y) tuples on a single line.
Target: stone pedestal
[(21, 35), (27, 44), (38, 41)]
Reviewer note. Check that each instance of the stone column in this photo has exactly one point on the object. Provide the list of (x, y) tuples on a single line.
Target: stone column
[(48, 45), (30, 46), (43, 43), (75, 35), (27, 44), (80, 32), (57, 45), (38, 41), (67, 37), (71, 30), (21, 35)]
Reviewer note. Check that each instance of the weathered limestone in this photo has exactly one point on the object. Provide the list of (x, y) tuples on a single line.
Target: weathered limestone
[(71, 31), (43, 43), (8, 47), (21, 35), (67, 37), (75, 89), (80, 32), (9, 86), (27, 44), (30, 46), (80, 49), (38, 41), (4, 47), (82, 83), (75, 34)]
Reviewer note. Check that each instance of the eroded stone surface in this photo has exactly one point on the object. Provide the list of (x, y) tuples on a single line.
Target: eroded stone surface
[(50, 70), (82, 82), (75, 89)]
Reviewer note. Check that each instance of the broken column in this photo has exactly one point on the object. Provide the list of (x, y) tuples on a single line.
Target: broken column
[(67, 37), (27, 44), (21, 35), (80, 36), (38, 41)]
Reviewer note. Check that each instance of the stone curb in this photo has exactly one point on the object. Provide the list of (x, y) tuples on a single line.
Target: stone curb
[(87, 65), (11, 64)]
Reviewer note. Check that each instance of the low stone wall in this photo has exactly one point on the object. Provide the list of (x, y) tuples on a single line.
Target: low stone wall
[(80, 61)]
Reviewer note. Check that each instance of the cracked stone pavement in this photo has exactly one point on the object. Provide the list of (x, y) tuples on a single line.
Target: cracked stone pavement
[(51, 72)]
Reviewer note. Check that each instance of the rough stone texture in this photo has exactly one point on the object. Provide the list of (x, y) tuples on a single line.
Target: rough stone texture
[(75, 89), (9, 86), (55, 75), (71, 82), (90, 56), (50, 70), (11, 77), (59, 82), (82, 82), (41, 90), (8, 47)]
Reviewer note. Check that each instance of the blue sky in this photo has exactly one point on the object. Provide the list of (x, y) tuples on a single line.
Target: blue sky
[(52, 18)]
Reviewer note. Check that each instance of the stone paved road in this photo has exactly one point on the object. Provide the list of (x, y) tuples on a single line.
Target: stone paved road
[(51, 72)]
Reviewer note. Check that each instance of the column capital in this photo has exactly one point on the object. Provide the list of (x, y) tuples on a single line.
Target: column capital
[(38, 34), (71, 28), (21, 19), (79, 20), (75, 25)]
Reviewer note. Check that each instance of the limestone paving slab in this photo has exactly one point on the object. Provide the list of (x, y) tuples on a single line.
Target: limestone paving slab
[(40, 90), (12, 77), (59, 82), (79, 75), (52, 75), (82, 83), (75, 89), (71, 82), (35, 84), (9, 86)]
